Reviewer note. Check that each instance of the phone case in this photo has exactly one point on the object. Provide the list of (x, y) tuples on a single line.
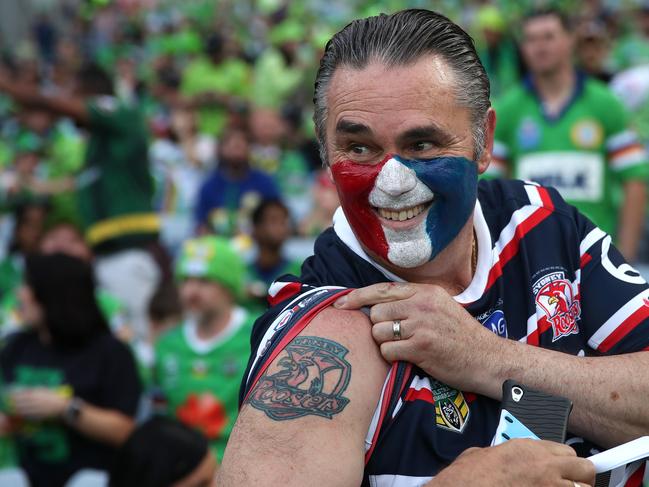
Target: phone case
[(543, 414)]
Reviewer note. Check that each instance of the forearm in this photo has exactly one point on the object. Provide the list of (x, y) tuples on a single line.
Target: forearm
[(631, 218), (608, 393), (31, 96), (104, 425)]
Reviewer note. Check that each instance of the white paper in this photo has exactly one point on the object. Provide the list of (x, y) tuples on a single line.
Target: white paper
[(621, 455)]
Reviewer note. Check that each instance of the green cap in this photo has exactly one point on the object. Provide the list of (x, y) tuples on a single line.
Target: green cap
[(213, 258), (490, 18)]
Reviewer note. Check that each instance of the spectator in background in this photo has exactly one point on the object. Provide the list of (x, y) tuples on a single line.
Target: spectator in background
[(563, 129), (325, 202), (162, 452), (213, 83), (228, 196), (199, 364), (632, 49), (29, 223), (271, 153), (116, 189), (65, 238), (592, 50), (70, 389), (497, 50), (271, 227)]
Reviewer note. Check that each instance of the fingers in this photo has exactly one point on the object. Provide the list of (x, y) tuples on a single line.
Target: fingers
[(578, 470), (375, 294), (383, 332)]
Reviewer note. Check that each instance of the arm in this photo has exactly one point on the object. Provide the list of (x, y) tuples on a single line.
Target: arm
[(268, 449), (105, 425), (609, 393), (72, 107), (632, 218)]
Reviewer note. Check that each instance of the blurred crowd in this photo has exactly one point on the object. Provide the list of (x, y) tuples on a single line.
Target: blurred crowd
[(159, 170)]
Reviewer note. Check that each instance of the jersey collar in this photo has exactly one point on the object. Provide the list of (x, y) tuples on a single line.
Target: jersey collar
[(476, 288), (580, 81), (203, 346)]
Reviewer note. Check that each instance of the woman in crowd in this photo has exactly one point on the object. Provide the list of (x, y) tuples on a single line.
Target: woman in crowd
[(70, 389)]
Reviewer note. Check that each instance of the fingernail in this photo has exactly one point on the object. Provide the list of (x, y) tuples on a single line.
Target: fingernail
[(340, 302)]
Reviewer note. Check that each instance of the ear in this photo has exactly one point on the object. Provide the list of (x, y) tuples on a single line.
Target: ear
[(331, 176), (490, 128)]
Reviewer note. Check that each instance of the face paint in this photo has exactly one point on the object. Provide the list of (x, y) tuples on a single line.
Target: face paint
[(423, 204)]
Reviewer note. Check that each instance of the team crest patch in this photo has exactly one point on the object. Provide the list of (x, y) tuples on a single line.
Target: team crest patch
[(587, 134), (451, 409), (554, 295)]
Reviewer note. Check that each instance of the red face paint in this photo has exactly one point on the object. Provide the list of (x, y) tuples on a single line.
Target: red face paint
[(355, 182)]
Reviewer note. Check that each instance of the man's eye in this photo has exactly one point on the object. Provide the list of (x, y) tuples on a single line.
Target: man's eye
[(359, 150), (422, 146)]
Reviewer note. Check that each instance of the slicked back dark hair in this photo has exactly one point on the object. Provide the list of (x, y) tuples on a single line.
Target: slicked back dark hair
[(400, 39)]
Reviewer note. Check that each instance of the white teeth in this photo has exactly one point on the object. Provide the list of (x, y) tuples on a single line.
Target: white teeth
[(402, 215)]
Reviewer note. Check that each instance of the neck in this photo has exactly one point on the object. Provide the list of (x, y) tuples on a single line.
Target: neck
[(556, 86), (450, 269), (268, 257), (211, 324), (235, 172)]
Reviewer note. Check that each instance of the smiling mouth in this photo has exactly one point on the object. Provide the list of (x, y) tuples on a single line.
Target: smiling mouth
[(405, 213)]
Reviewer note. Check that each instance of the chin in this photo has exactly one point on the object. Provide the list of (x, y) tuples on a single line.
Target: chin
[(409, 248)]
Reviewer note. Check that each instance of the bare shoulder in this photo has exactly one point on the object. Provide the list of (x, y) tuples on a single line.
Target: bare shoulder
[(318, 394)]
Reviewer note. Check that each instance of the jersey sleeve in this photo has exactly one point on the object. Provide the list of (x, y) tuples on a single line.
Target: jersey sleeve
[(294, 305), (614, 296), (626, 156)]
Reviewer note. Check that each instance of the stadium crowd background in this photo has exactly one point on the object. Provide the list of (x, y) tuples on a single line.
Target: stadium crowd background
[(224, 89)]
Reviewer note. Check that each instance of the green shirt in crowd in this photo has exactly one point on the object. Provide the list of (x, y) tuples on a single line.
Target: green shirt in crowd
[(200, 379), (585, 152)]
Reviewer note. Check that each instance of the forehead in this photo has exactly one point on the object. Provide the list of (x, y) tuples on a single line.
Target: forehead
[(393, 97), (542, 23)]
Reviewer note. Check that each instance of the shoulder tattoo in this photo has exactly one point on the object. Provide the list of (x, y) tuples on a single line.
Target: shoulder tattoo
[(308, 378)]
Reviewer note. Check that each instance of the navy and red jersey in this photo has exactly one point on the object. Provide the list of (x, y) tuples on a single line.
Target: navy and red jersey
[(545, 276)]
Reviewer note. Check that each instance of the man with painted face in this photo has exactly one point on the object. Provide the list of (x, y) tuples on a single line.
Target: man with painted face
[(463, 285)]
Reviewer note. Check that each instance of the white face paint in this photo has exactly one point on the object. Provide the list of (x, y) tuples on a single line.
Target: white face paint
[(397, 188)]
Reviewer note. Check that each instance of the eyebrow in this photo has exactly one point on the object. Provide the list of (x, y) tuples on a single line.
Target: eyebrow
[(431, 132), (352, 128)]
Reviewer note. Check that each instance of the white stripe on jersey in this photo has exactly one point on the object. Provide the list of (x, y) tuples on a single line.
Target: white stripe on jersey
[(376, 417), (534, 195), (619, 140), (509, 232), (276, 287), (594, 236), (617, 319), (398, 481), (632, 158), (532, 326)]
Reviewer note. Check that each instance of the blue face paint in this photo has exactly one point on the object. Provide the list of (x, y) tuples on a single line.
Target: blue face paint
[(454, 181)]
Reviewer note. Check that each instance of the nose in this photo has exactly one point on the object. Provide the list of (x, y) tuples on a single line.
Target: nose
[(395, 178)]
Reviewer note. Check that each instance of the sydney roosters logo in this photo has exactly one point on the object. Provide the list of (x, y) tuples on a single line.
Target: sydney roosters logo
[(555, 296)]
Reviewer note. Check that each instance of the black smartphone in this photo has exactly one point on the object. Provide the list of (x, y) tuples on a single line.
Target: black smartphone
[(525, 410)]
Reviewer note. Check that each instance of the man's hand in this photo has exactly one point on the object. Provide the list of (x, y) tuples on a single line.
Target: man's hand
[(518, 462), (437, 334), (38, 403)]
